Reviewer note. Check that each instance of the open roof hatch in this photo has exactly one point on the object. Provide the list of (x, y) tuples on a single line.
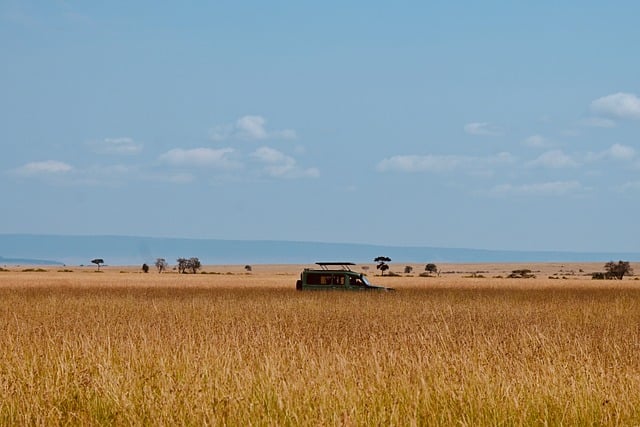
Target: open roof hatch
[(326, 265)]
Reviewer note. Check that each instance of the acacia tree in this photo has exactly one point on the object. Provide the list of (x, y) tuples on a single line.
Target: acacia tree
[(431, 268), (382, 263), (617, 270), (182, 265), (97, 262), (192, 264), (161, 264)]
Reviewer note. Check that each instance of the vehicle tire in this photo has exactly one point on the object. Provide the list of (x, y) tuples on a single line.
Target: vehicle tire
[(299, 285)]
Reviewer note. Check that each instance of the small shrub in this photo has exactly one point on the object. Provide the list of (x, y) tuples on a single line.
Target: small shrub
[(392, 274), (598, 276), (524, 273), (474, 276)]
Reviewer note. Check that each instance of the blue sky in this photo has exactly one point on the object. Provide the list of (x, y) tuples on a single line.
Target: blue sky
[(495, 125)]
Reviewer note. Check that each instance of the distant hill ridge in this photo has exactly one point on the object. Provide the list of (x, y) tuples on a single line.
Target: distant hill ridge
[(131, 250), (27, 261)]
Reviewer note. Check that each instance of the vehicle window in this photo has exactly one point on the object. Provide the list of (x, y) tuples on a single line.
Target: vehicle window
[(355, 281), (325, 279), (338, 279)]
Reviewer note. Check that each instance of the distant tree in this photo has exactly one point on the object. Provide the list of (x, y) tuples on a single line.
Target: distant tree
[(191, 264), (182, 265), (617, 270), (382, 263), (408, 269), (194, 265), (382, 267), (431, 268), (97, 262), (161, 265), (247, 268), (145, 268)]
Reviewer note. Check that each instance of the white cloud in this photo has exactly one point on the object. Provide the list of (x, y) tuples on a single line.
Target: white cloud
[(123, 145), (252, 127), (554, 159), (441, 163), (43, 168), (598, 122), (555, 188), (114, 175), (201, 157), (272, 156), (618, 105), (482, 128), (615, 152), (279, 165), (417, 163), (249, 128), (536, 141), (621, 152)]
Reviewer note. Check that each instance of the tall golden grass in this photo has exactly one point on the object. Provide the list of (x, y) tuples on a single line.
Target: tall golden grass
[(111, 348)]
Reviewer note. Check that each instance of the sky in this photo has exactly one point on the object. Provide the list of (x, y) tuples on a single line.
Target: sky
[(491, 125)]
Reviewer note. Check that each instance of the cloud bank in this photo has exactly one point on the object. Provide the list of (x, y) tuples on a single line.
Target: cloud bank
[(200, 157), (249, 128), (43, 168), (279, 165), (618, 105)]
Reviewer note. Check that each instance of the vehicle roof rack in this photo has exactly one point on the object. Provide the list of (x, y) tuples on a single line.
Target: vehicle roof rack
[(326, 265)]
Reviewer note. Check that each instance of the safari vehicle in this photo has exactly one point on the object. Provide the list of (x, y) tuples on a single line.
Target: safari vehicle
[(335, 275)]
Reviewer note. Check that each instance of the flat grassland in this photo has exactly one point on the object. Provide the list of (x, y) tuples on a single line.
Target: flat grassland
[(122, 347)]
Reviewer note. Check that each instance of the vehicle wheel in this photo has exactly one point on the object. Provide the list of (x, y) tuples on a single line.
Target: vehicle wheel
[(299, 285)]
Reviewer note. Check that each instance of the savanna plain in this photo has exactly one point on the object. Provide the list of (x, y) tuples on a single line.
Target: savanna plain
[(468, 347)]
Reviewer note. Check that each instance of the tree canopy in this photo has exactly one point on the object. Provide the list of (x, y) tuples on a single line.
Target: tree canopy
[(161, 264), (191, 264), (97, 261), (617, 270), (431, 268), (382, 263)]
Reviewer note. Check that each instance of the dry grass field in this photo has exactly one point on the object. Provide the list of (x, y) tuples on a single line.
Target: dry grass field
[(125, 348)]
